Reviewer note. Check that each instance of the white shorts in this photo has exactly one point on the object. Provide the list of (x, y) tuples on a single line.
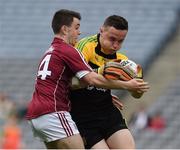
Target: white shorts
[(54, 126)]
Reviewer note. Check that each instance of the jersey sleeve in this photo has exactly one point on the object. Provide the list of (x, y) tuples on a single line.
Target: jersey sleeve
[(75, 61)]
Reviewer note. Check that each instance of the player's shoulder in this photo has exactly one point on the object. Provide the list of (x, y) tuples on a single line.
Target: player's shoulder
[(87, 41), (121, 56), (68, 47), (61, 46), (66, 50)]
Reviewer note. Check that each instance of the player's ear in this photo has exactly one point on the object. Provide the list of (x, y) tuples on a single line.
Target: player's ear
[(64, 29), (101, 29)]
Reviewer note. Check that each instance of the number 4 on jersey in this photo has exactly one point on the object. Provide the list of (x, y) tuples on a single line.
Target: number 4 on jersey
[(43, 71)]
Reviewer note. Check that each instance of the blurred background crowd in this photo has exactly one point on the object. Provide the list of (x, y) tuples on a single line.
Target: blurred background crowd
[(153, 41)]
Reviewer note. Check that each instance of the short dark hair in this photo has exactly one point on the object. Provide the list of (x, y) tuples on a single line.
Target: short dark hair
[(63, 17), (117, 22)]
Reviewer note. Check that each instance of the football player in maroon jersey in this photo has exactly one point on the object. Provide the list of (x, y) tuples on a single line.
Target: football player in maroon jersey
[(48, 111)]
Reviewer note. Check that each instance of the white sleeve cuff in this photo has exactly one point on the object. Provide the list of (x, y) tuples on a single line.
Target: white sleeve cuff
[(81, 74)]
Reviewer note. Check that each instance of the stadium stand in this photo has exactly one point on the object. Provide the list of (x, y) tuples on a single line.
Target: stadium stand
[(169, 105), (26, 34)]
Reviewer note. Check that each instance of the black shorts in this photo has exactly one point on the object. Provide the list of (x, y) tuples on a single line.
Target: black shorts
[(94, 128)]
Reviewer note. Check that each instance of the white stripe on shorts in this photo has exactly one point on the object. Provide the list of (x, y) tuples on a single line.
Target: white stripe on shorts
[(54, 126)]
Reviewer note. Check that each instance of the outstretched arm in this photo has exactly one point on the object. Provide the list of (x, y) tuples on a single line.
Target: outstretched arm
[(97, 80)]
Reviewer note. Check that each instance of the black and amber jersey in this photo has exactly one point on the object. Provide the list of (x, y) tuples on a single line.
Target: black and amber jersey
[(92, 98)]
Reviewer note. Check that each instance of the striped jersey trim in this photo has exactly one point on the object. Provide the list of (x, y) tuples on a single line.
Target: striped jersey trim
[(81, 74), (86, 40)]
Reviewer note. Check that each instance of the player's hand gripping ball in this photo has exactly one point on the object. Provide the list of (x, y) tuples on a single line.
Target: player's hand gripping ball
[(124, 70)]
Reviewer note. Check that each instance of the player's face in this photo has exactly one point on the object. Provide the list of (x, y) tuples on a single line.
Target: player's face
[(111, 39), (74, 31)]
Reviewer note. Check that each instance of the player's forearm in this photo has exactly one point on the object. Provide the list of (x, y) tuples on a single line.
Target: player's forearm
[(99, 81), (131, 85)]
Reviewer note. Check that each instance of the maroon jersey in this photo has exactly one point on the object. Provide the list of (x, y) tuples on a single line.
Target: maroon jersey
[(59, 64)]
